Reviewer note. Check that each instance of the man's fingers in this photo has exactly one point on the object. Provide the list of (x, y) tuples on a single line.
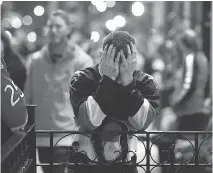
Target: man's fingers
[(109, 53), (117, 57), (104, 54), (123, 58), (105, 51), (128, 52), (133, 49), (112, 55), (110, 50)]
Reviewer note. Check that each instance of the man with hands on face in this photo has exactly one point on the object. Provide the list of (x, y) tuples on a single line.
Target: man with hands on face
[(113, 96)]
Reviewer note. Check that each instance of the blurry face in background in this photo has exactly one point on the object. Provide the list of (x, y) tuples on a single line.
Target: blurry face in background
[(57, 30)]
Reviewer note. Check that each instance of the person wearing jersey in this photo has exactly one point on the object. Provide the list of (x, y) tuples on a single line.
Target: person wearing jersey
[(14, 114), (109, 98), (190, 82)]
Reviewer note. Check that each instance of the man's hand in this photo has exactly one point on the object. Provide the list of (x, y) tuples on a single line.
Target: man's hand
[(108, 65), (128, 66)]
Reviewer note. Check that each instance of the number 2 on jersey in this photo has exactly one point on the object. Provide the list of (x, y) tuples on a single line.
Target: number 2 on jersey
[(13, 103)]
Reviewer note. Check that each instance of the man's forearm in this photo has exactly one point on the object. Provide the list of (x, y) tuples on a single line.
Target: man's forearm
[(107, 96)]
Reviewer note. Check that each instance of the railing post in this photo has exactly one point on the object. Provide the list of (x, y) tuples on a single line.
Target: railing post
[(196, 150), (147, 152), (172, 157), (52, 152), (32, 135)]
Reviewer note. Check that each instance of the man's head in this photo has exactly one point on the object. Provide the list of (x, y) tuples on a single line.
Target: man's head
[(120, 39), (58, 27), (119, 54)]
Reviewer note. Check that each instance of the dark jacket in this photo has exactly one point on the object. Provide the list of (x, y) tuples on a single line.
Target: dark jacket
[(100, 104)]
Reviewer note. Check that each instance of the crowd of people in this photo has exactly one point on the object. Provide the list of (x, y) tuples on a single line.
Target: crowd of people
[(108, 89)]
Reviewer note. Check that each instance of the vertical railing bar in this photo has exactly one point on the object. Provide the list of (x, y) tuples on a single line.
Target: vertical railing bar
[(52, 151), (33, 134), (172, 156), (147, 152), (196, 150)]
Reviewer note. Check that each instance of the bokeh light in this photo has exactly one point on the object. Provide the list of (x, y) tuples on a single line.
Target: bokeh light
[(120, 21), (137, 9), (94, 2), (110, 24), (32, 37), (27, 20), (101, 6), (110, 4), (39, 10), (16, 22), (95, 36)]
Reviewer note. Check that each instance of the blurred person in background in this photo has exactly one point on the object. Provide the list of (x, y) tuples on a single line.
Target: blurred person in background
[(190, 82), (204, 143), (47, 86), (187, 99), (14, 61), (111, 97)]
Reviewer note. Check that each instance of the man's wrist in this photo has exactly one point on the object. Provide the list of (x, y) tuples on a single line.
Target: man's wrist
[(127, 81), (113, 78)]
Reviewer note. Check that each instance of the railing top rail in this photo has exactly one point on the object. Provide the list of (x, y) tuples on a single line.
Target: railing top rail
[(129, 132), (126, 164), (13, 142)]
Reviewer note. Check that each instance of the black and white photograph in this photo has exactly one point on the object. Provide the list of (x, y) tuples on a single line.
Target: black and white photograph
[(106, 86)]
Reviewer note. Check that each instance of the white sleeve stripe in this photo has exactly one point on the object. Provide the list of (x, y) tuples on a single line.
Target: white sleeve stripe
[(186, 85), (189, 75), (189, 67), (139, 119), (95, 114), (17, 128), (188, 80)]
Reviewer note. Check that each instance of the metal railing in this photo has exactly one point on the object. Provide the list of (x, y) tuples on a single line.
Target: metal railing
[(199, 143), (18, 153)]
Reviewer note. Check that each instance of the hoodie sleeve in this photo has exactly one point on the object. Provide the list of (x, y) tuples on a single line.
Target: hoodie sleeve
[(93, 104), (92, 100), (87, 111), (189, 80), (146, 95)]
